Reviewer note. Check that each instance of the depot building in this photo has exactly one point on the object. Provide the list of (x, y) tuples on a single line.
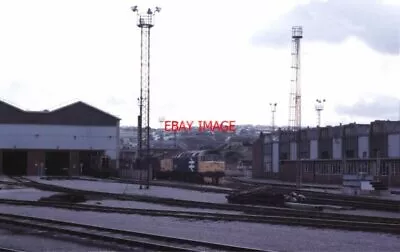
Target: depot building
[(76, 139)]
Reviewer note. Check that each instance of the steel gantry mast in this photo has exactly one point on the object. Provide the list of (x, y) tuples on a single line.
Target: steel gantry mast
[(295, 85), (145, 21), (295, 99), (273, 110), (319, 107)]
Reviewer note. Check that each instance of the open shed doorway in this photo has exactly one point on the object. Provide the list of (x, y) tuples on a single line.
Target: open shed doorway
[(57, 163), (15, 162), (90, 162)]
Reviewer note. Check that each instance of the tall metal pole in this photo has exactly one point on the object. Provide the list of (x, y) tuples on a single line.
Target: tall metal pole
[(295, 86), (162, 120), (148, 157), (145, 23), (295, 98), (299, 167), (139, 143), (344, 148), (138, 151), (273, 110), (319, 107)]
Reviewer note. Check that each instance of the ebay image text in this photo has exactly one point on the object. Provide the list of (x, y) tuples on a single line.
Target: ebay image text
[(200, 125)]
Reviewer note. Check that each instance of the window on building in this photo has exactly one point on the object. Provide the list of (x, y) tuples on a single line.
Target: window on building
[(384, 169), (336, 168), (319, 168), (363, 167), (284, 156), (307, 167), (364, 155), (395, 168), (352, 168)]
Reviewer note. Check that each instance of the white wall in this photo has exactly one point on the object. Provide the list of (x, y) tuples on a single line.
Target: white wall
[(336, 148), (314, 149), (394, 145), (59, 137), (275, 157), (363, 146), (293, 151)]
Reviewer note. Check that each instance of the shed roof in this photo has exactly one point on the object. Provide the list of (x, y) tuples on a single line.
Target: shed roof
[(78, 113)]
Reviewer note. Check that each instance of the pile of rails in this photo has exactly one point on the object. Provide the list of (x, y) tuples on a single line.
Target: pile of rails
[(263, 195), (327, 199)]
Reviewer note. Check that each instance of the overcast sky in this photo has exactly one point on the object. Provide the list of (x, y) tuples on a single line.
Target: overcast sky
[(211, 60)]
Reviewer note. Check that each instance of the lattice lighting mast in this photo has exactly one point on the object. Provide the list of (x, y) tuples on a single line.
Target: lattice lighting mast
[(295, 86), (145, 21), (319, 107), (273, 110)]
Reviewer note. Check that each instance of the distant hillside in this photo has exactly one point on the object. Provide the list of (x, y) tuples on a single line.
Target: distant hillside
[(193, 140)]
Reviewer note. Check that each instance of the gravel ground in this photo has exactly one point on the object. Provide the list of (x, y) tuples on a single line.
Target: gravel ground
[(262, 236), (159, 191), (5, 178), (24, 194), (34, 194), (143, 205), (366, 213), (38, 241)]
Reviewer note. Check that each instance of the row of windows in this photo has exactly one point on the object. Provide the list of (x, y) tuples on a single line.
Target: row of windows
[(368, 167), (327, 155)]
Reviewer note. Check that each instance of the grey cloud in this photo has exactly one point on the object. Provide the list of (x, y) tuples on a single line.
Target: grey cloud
[(377, 24), (382, 107)]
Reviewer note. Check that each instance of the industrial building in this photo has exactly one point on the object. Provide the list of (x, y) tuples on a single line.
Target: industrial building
[(325, 154), (71, 140)]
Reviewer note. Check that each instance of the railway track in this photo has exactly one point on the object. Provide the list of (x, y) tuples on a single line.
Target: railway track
[(129, 238), (343, 200), (271, 216), (20, 180), (204, 205), (188, 186), (279, 184), (187, 203), (313, 197), (388, 206), (392, 206), (2, 249)]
